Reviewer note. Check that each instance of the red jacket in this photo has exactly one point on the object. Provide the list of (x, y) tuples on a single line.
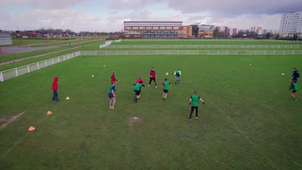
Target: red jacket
[(55, 84), (138, 80), (152, 74), (113, 79)]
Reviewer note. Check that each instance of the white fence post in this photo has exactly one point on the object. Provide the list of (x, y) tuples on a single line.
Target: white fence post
[(16, 69), (38, 65), (45, 63), (85, 53), (95, 53), (53, 61), (208, 52), (59, 59), (28, 70), (274, 52), (63, 57), (293, 52), (1, 77), (116, 53), (283, 52)]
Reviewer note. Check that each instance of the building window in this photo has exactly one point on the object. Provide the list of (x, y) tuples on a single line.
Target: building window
[(162, 28), (156, 28), (141, 28), (175, 28), (128, 28), (149, 28), (152, 32), (135, 28), (166, 32), (169, 28), (159, 32)]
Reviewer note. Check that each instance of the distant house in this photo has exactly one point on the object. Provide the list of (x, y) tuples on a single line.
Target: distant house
[(5, 38)]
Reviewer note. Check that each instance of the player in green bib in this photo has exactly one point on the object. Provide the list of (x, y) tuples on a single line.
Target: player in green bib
[(165, 86), (137, 90), (294, 89), (111, 95), (194, 102)]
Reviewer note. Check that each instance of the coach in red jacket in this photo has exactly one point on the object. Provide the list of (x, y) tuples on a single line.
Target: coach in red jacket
[(55, 89)]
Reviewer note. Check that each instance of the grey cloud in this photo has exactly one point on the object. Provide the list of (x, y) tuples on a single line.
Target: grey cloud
[(45, 4), (55, 4), (130, 4), (230, 8), (64, 19), (4, 3)]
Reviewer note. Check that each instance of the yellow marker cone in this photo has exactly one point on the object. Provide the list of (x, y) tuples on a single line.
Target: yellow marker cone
[(282, 74), (67, 98), (49, 112), (31, 128), (250, 64), (92, 76), (104, 65)]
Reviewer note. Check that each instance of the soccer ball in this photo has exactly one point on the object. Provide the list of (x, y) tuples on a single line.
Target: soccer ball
[(167, 73)]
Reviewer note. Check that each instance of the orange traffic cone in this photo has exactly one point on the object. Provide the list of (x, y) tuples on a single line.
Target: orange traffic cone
[(31, 128), (49, 112)]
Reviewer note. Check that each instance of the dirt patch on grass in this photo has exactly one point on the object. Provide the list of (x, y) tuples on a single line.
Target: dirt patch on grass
[(133, 120), (12, 119), (128, 145)]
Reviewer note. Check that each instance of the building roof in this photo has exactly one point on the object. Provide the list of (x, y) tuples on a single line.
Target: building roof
[(152, 23)]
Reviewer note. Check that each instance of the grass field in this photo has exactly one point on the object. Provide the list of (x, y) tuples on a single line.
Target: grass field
[(31, 41), (84, 46), (202, 42), (42, 40), (249, 120)]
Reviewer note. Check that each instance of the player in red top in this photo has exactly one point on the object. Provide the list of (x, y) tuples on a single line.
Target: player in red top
[(140, 79), (152, 77), (113, 79), (55, 89)]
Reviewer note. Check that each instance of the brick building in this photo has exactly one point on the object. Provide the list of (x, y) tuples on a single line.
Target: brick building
[(153, 29)]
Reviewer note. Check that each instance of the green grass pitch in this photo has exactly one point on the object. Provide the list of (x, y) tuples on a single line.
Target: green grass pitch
[(249, 120)]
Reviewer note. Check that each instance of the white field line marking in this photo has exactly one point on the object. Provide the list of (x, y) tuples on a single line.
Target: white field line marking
[(12, 119), (242, 133), (20, 140)]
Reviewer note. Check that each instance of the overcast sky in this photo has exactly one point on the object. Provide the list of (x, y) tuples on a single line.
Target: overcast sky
[(108, 15)]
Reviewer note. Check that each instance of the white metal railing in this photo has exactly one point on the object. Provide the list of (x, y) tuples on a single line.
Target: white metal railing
[(194, 52), (16, 72), (107, 43), (207, 46), (19, 71), (254, 40)]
